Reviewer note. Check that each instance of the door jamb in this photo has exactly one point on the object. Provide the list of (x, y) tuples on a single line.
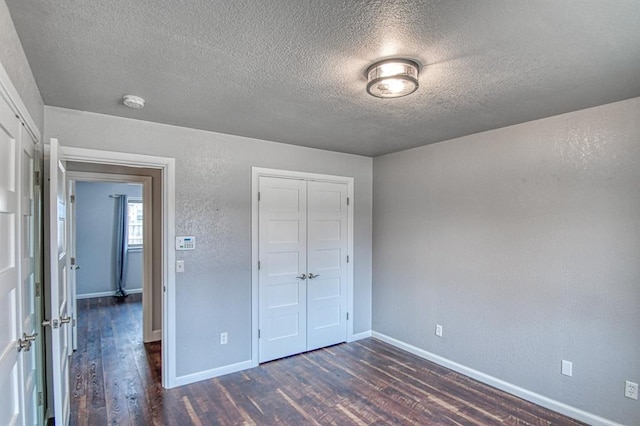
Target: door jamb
[(147, 237), (256, 174), (167, 167)]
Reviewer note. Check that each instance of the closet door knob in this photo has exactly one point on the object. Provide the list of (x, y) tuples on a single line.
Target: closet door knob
[(303, 276), (312, 276)]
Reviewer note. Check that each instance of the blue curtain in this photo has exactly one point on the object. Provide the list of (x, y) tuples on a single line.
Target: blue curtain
[(121, 245)]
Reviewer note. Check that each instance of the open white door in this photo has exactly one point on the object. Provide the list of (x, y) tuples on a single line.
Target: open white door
[(71, 245), (59, 301)]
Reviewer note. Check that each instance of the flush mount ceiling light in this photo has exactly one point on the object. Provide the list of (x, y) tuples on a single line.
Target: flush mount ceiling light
[(133, 101), (392, 78)]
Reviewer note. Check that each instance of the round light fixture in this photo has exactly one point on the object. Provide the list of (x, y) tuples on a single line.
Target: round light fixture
[(133, 101), (392, 78)]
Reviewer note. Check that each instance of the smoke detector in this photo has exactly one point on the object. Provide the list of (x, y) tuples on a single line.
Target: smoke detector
[(133, 101)]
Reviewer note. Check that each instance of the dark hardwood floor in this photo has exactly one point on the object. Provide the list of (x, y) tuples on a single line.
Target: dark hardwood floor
[(115, 380)]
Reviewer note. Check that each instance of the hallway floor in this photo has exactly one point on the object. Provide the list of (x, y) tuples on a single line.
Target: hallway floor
[(115, 380)]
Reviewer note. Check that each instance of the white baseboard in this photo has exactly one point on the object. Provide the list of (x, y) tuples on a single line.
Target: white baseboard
[(214, 372), (359, 336), (106, 293), (525, 394)]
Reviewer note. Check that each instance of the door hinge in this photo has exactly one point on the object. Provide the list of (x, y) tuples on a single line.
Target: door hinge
[(73, 261), (38, 290), (347, 200), (347, 258), (37, 177), (258, 195), (74, 322), (258, 265), (72, 198), (258, 333), (40, 401), (347, 316)]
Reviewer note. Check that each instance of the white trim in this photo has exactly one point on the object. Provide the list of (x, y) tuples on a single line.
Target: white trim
[(256, 173), (214, 372), (525, 394), (167, 166), (360, 336), (9, 92), (147, 236), (156, 335), (106, 294)]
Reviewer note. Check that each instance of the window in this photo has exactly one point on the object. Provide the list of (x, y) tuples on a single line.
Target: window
[(135, 219)]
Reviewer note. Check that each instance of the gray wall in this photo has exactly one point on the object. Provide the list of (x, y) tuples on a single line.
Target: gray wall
[(524, 243), (14, 61), (96, 238), (213, 202)]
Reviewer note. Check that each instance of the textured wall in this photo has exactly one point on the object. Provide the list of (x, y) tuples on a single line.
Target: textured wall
[(213, 202), (524, 243), (96, 238), (14, 61)]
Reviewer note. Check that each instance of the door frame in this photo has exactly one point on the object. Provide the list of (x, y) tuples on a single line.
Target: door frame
[(256, 174), (167, 166), (148, 334)]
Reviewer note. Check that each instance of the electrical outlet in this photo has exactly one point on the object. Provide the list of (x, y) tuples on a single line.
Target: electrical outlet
[(438, 330), (567, 368), (631, 390), (223, 338)]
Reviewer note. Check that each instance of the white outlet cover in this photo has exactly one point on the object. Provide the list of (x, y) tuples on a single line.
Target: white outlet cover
[(438, 330), (631, 390), (567, 368)]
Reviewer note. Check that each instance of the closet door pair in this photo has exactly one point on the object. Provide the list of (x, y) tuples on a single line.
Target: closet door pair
[(303, 266)]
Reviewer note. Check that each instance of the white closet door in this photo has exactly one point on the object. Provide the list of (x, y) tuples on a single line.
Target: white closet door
[(327, 264), (30, 326), (11, 386), (283, 260)]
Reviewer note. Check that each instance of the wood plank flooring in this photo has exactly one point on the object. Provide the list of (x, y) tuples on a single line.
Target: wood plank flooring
[(116, 380)]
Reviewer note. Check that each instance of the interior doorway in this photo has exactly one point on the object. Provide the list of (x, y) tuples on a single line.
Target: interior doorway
[(111, 243)]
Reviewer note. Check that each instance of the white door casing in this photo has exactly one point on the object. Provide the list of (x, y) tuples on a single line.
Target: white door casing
[(59, 296), (283, 250), (11, 360), (292, 294), (327, 264)]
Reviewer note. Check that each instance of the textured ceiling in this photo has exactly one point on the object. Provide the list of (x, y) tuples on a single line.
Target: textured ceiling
[(293, 70)]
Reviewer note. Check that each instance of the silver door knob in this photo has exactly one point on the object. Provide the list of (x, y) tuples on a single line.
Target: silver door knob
[(312, 275), (29, 337), (302, 277)]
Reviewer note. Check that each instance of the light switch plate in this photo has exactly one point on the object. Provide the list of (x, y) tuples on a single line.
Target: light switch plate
[(567, 368)]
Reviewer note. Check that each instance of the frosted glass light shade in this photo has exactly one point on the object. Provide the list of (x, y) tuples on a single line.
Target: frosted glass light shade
[(392, 78)]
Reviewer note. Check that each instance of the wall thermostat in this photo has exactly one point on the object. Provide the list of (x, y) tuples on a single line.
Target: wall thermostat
[(185, 243)]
